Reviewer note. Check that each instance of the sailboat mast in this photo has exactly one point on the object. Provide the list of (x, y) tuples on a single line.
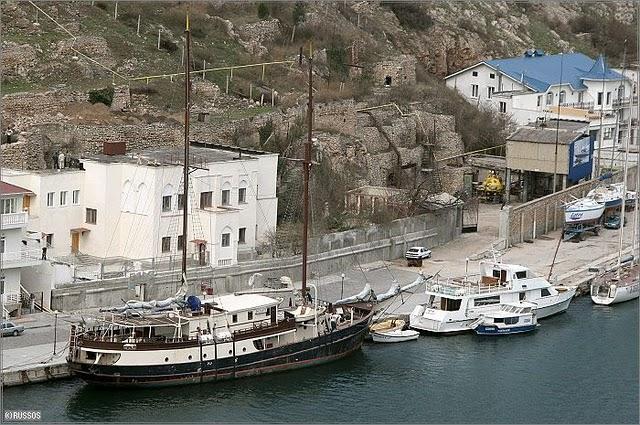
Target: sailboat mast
[(305, 172), (185, 177), (624, 196)]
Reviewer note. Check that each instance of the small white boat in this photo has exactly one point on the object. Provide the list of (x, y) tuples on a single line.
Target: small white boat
[(630, 195), (613, 288), (397, 335), (509, 319), (583, 210)]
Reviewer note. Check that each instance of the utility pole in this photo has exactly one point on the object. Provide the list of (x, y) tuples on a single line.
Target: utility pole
[(555, 161)]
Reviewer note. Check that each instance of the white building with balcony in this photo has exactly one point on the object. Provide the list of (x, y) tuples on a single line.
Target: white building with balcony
[(17, 250), (569, 86), (131, 206)]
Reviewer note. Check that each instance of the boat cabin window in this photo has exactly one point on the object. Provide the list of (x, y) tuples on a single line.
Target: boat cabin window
[(249, 315), (510, 320), (258, 344), (496, 273), (521, 274), (234, 318), (448, 304), (91, 355), (486, 301), (544, 292), (521, 296)]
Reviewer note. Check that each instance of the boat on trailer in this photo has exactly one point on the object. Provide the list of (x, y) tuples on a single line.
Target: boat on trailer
[(509, 319)]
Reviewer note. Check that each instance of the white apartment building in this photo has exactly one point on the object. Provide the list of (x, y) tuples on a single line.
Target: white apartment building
[(535, 85), (131, 205), (17, 250)]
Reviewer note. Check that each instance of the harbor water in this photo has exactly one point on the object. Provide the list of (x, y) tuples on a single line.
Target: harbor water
[(578, 367)]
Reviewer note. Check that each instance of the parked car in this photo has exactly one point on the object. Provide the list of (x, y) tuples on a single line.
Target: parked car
[(10, 328), (613, 222), (418, 253)]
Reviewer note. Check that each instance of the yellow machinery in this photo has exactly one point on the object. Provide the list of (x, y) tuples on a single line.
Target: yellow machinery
[(492, 188)]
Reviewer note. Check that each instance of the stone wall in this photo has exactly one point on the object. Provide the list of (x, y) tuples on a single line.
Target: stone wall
[(331, 254), (401, 69), (29, 106)]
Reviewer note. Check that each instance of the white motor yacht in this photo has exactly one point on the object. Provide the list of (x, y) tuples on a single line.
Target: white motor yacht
[(453, 304)]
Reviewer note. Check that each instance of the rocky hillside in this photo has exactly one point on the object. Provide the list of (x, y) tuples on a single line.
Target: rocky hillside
[(73, 77)]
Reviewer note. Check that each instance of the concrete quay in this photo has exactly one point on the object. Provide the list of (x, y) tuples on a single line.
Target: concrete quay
[(29, 358)]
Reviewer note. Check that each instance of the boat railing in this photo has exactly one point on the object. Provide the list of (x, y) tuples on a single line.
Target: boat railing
[(259, 329), (460, 286)]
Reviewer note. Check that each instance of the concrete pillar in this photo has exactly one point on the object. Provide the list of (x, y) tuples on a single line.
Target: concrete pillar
[(546, 219), (533, 231), (564, 181), (507, 187), (521, 227), (525, 186), (504, 231)]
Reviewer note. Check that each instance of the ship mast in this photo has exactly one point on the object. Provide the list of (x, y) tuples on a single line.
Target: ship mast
[(185, 177), (306, 166), (624, 196)]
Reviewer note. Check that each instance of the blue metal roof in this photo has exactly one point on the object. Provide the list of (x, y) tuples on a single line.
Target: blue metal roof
[(538, 71)]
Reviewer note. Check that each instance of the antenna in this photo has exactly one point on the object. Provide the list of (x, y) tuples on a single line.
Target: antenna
[(555, 161)]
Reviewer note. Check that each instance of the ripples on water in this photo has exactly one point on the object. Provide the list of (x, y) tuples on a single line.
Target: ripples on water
[(581, 366)]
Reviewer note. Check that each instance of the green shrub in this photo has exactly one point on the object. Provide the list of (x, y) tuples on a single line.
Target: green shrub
[(263, 11), (337, 60), (299, 11), (102, 96), (411, 15), (168, 45)]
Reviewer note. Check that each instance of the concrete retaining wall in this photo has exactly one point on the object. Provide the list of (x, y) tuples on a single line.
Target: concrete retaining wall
[(386, 243), (543, 215), (35, 374)]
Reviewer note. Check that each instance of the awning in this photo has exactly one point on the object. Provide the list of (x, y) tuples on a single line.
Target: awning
[(80, 230), (199, 241)]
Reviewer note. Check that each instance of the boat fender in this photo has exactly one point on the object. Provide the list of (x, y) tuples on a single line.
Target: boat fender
[(419, 310)]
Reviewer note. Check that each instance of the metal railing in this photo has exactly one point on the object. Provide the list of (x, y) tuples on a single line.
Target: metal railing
[(578, 105), (626, 101), (463, 286)]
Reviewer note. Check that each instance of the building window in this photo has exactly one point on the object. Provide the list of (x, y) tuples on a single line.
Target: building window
[(50, 196), (549, 98), (474, 73), (249, 315), (166, 244), (92, 216), (226, 239), (8, 206), (75, 197), (242, 195), (580, 97), (620, 92), (180, 242), (63, 198), (599, 102), (2, 285), (492, 76), (234, 318), (242, 235), (205, 200), (166, 203), (474, 90), (503, 107), (539, 101), (180, 201), (563, 97), (608, 98), (226, 194), (2, 244), (490, 91), (607, 132), (49, 240)]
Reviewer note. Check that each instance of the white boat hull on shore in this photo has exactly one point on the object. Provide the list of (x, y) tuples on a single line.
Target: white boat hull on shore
[(616, 294)]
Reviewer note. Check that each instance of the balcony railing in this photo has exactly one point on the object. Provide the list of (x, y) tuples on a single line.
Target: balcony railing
[(14, 220), (625, 101), (17, 258), (578, 105)]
